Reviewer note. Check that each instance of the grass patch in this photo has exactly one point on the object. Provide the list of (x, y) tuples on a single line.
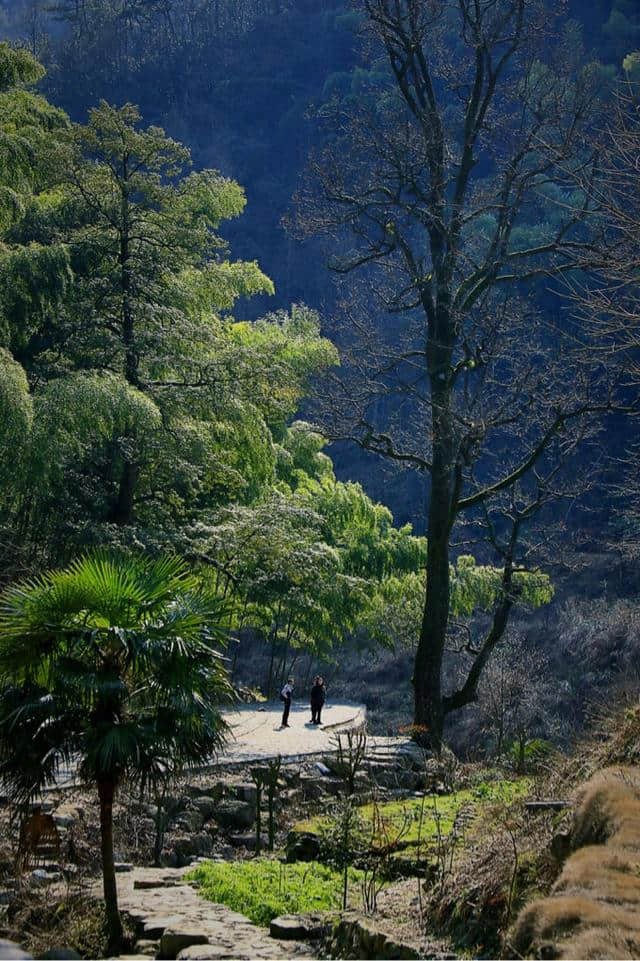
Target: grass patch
[(262, 889), (426, 819)]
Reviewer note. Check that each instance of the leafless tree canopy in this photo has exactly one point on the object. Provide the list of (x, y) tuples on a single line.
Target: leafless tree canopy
[(448, 195)]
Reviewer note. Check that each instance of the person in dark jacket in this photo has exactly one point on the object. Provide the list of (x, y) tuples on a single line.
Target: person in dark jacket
[(318, 697)]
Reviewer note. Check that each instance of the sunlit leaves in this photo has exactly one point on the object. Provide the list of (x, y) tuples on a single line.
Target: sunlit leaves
[(16, 414)]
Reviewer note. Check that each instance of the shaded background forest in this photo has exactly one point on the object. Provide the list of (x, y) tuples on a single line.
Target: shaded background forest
[(244, 84)]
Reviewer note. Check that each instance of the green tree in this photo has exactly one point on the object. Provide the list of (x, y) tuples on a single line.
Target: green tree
[(27, 125), (109, 665)]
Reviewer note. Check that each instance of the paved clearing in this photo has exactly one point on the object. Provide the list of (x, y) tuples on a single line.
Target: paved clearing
[(256, 732)]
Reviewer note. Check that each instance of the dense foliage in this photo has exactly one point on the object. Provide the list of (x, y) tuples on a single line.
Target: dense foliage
[(142, 413)]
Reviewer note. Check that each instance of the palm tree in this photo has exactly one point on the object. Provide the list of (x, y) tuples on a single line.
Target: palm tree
[(108, 666)]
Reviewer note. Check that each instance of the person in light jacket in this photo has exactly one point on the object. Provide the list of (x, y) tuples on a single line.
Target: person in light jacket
[(286, 695)]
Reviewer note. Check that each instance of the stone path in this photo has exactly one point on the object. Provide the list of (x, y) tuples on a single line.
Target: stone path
[(172, 920), (256, 732)]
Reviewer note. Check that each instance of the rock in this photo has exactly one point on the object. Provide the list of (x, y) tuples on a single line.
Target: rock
[(202, 952), (324, 770), (561, 846), (171, 804), (290, 776), (216, 790), (419, 756), (40, 876), (66, 815), (191, 845), (147, 947), (385, 775), (247, 841), (10, 951), (191, 820), (299, 927), (60, 954), (312, 787), (155, 927), (205, 805), (232, 814), (333, 786), (175, 939), (248, 793), (293, 796), (302, 846), (360, 937), (150, 884)]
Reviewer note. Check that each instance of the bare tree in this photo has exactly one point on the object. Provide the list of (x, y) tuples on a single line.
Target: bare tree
[(451, 191)]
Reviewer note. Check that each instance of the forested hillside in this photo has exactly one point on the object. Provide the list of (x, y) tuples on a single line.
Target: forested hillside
[(318, 353), (246, 86)]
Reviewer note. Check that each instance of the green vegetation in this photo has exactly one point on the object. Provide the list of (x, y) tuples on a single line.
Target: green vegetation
[(263, 889), (142, 412), (422, 821)]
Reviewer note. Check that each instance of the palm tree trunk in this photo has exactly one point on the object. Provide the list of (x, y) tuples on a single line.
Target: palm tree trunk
[(106, 793)]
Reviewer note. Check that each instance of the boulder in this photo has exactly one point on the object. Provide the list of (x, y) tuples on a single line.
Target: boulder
[(290, 775), (191, 820), (302, 846), (234, 815), (247, 840), (66, 815), (189, 845), (174, 940), (312, 787), (247, 792), (206, 805), (215, 790), (40, 876)]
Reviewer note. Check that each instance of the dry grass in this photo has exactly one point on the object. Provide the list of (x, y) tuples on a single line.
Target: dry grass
[(593, 910)]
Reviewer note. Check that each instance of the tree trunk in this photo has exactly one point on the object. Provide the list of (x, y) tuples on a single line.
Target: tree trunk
[(122, 510), (106, 793), (427, 679)]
